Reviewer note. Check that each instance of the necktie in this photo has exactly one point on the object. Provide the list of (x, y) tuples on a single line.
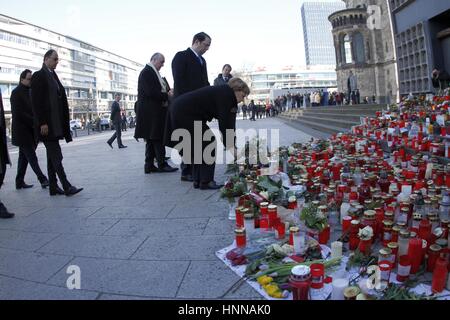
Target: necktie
[(200, 59)]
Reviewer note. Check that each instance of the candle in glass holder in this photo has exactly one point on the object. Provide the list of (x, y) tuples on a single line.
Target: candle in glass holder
[(336, 250), (415, 254), (404, 269), (440, 276), (346, 224), (433, 256), (241, 238), (300, 282), (339, 286)]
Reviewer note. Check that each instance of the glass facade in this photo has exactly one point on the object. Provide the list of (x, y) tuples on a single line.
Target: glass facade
[(90, 75), (264, 83), (319, 46)]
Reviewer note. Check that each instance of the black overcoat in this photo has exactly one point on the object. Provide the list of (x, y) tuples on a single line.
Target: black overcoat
[(22, 124), (202, 105), (151, 109), (58, 123), (4, 154), (188, 73)]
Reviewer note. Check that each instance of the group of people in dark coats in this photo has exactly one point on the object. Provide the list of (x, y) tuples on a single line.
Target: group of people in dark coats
[(170, 118), (40, 112)]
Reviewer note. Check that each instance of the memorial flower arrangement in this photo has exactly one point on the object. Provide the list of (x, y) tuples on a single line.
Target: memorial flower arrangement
[(235, 187), (366, 234), (314, 219)]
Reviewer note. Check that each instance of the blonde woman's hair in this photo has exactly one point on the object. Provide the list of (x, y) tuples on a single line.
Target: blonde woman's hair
[(238, 84)]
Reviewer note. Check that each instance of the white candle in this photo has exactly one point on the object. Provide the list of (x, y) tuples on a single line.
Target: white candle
[(339, 285), (300, 243), (336, 250)]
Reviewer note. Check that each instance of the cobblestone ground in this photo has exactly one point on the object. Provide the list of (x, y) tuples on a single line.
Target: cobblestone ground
[(134, 236)]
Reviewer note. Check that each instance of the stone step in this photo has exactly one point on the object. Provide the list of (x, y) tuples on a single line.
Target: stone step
[(337, 122), (321, 127)]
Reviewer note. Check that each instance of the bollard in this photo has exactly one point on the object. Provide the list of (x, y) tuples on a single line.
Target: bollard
[(75, 131)]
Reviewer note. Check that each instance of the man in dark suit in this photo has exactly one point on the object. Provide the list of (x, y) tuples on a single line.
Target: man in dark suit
[(190, 73), (153, 100), (23, 135), (116, 119), (4, 158), (51, 118)]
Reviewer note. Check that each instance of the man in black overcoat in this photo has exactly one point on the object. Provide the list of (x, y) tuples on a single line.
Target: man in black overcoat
[(116, 118), (190, 73), (23, 134), (4, 158), (153, 100), (197, 108), (51, 121)]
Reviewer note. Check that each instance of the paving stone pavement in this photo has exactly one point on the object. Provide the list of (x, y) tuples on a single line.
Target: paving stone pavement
[(134, 236)]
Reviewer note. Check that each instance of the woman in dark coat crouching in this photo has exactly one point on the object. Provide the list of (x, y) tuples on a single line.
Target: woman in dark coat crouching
[(187, 122)]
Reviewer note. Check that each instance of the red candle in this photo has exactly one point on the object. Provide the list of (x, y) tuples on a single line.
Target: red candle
[(404, 269), (317, 276), (281, 230), (439, 276), (241, 238), (346, 223), (239, 218), (425, 229), (415, 254), (433, 256)]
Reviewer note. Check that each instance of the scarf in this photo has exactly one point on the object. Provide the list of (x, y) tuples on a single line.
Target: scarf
[(164, 87)]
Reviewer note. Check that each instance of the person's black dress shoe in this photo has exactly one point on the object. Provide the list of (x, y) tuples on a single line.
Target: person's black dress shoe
[(187, 178), (4, 213), (56, 191), (45, 184), (123, 147), (110, 145), (23, 185), (73, 191), (196, 185), (168, 169), (152, 169), (210, 186)]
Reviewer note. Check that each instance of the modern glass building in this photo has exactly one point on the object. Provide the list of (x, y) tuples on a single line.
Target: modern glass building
[(319, 47), (90, 75), (266, 84)]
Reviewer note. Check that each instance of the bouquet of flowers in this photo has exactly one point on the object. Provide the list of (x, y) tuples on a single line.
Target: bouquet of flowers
[(314, 219), (235, 187)]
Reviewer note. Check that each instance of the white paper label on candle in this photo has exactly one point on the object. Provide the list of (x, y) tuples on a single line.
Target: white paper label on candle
[(441, 120), (429, 172), (407, 191), (404, 271)]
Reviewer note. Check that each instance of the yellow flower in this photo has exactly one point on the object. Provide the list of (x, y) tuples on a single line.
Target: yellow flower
[(274, 291), (264, 280)]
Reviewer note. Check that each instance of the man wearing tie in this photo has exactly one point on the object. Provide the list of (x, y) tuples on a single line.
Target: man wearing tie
[(190, 73), (51, 116), (116, 119)]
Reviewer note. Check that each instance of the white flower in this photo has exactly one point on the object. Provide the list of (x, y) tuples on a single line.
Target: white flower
[(366, 233), (292, 199), (292, 150), (264, 194), (320, 216)]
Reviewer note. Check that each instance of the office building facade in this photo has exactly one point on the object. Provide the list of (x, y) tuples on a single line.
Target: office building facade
[(91, 76), (319, 49)]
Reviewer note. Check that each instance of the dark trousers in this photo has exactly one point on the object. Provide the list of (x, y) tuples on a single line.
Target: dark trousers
[(154, 150), (204, 172), (117, 135), (54, 165), (27, 155), (186, 169)]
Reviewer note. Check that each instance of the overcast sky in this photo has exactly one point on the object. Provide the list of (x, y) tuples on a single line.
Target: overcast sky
[(245, 33)]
